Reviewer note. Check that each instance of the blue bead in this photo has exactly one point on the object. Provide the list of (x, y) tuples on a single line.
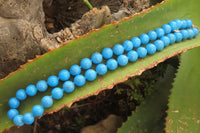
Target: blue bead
[(21, 94), (184, 24), (90, 74), (37, 110), (152, 35), (159, 45), (47, 101), (132, 55), (28, 118), (107, 53), (173, 25), (31, 90), (12, 113), (97, 58), (172, 38), (112, 64), (101, 69), (68, 86), (18, 120), (75, 70), (184, 34), (179, 23), (144, 38), (191, 33), (160, 32), (167, 28), (118, 49), (196, 31), (79, 80), (166, 40), (189, 23), (52, 81), (57, 93), (86, 63), (13, 103), (41, 86), (128, 45), (151, 48), (136, 42), (142, 52), (179, 36), (122, 60), (64, 75)]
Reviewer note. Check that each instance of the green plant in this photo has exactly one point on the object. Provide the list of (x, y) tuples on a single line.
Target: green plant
[(52, 62)]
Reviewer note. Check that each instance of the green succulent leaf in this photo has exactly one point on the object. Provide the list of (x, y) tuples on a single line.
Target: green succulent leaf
[(149, 117), (71, 53), (184, 110)]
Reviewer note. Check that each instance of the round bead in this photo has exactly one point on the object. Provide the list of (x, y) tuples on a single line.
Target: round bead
[(64, 75), (31, 90), (68, 86), (167, 28), (101, 69), (189, 23), (136, 42), (18, 120), (86, 63), (28, 118), (21, 94), (79, 80), (196, 31), (41, 86), (107, 53), (160, 32), (132, 55), (112, 64), (166, 40), (172, 38), (144, 38), (52, 81), (57, 93), (13, 103), (142, 52), (47, 101), (90, 74), (191, 33), (37, 110), (159, 45), (151, 48), (12, 113), (152, 35), (97, 58), (173, 25), (184, 34), (184, 24), (118, 49), (75, 70), (122, 60), (179, 36), (128, 45), (179, 23)]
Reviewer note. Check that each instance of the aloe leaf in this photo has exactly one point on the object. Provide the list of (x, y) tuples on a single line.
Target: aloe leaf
[(149, 116), (184, 109), (71, 53)]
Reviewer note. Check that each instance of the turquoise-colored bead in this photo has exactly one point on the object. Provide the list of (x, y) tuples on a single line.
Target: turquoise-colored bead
[(189, 23), (128, 45), (41, 86), (184, 34), (52, 81), (79, 80), (167, 28), (86, 63), (13, 103), (151, 48), (107, 53), (132, 55), (47, 101), (57, 93), (37, 110), (101, 69), (144, 38), (159, 45), (184, 24), (90, 75), (31, 90), (173, 25), (97, 58), (68, 86), (179, 36), (21, 94), (142, 52), (191, 33), (152, 35), (12, 113), (179, 23), (136, 42), (172, 38), (112, 64), (28, 118), (18, 120), (160, 32), (75, 70), (166, 40), (122, 60), (118, 49), (196, 31), (64, 75)]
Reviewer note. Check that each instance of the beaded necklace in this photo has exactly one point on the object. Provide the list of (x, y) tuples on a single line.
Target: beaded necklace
[(173, 32)]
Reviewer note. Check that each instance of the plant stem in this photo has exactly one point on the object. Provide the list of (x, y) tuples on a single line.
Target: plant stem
[(88, 4)]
